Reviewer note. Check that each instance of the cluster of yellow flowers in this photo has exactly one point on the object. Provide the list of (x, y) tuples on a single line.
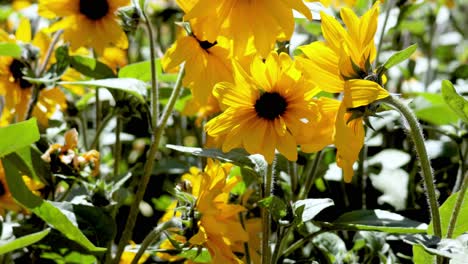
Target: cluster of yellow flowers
[(268, 101)]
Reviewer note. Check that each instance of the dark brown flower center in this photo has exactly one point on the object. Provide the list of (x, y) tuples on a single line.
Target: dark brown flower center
[(16, 69), (94, 9), (270, 105)]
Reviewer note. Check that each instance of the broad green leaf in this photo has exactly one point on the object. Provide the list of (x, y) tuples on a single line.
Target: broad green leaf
[(134, 87), (311, 207), (399, 57), (63, 61), (10, 49), (10, 141), (142, 71), (91, 67), (417, 27), (23, 242), (332, 246), (42, 208), (380, 220), (275, 206), (446, 210), (456, 102)]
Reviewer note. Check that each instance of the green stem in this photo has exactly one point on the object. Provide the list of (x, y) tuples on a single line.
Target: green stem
[(266, 217), (301, 242), (98, 119), (152, 236), (457, 206), (246, 244), (99, 130), (118, 147), (418, 139), (309, 174), (154, 76), (432, 29), (387, 15), (148, 168)]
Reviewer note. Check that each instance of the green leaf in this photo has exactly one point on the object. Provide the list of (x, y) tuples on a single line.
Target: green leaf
[(42, 208), (446, 210), (91, 67), (432, 108), (10, 141), (456, 102), (311, 207), (379, 220), (142, 71), (83, 102), (63, 61), (10, 49), (275, 206), (23, 242), (399, 57), (420, 256), (134, 87)]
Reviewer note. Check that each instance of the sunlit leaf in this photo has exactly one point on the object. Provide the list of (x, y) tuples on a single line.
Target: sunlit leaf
[(311, 207), (9, 139), (10, 49), (134, 87), (446, 210), (399, 57), (142, 71), (275, 206)]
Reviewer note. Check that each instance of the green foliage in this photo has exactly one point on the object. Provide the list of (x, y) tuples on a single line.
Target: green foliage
[(379, 220), (307, 209), (10, 141), (275, 206), (42, 208), (446, 211), (456, 102), (398, 57), (432, 108), (142, 72), (10, 49), (23, 242), (91, 67), (198, 255)]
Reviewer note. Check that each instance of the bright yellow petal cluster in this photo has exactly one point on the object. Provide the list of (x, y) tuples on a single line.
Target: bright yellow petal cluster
[(266, 108), (86, 23), (332, 66), (219, 226), (205, 65), (266, 21)]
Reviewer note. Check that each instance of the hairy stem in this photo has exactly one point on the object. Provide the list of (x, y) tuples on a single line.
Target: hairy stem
[(418, 139)]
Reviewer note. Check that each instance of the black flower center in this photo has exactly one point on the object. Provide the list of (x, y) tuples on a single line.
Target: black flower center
[(94, 9), (270, 105), (206, 44), (2, 189), (16, 69)]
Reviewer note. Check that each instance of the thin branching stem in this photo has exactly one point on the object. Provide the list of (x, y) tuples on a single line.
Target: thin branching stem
[(309, 174), (266, 216), (457, 206)]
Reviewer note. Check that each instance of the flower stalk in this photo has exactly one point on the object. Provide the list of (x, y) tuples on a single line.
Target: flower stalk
[(148, 168), (418, 139), (266, 216)]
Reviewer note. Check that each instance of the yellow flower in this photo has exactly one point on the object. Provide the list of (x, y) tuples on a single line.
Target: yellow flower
[(332, 66), (17, 90), (86, 22), (266, 21), (205, 65), (335, 3), (266, 108), (130, 253), (20, 4), (219, 228), (201, 111)]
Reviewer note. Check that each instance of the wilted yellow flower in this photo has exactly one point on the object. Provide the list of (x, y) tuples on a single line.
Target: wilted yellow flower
[(86, 23), (266, 109), (332, 66), (266, 21)]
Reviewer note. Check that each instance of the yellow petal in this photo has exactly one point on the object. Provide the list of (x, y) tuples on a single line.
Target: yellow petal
[(23, 33), (363, 92)]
